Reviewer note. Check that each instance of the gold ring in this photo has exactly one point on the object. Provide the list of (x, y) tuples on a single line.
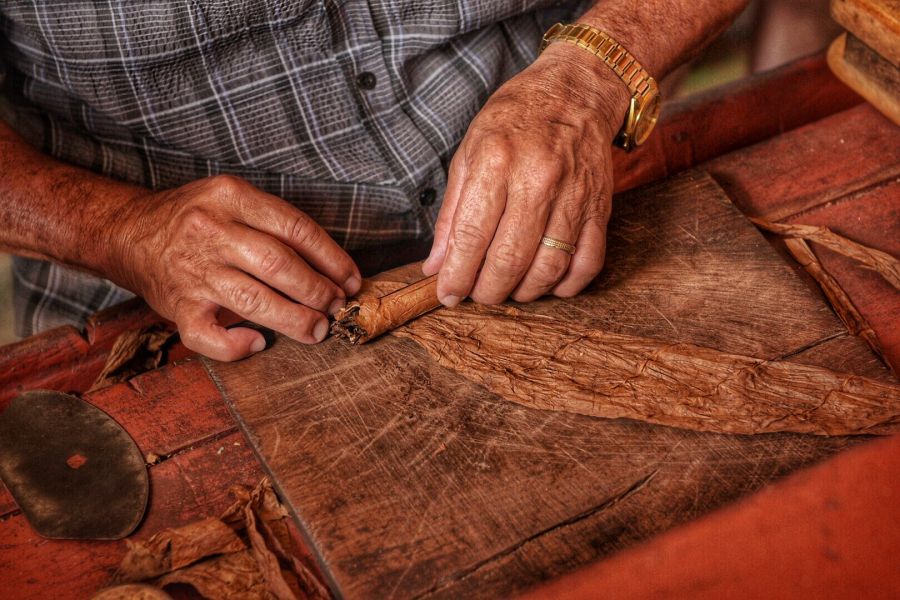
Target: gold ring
[(559, 244)]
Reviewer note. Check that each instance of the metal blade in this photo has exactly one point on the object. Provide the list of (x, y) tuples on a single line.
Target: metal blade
[(74, 472)]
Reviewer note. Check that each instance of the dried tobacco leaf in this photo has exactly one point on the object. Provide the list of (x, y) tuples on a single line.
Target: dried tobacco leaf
[(870, 258), (241, 555), (544, 363), (135, 351), (234, 576), (837, 297), (172, 549), (131, 591)]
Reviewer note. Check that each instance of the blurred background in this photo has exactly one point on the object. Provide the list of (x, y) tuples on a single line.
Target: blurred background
[(769, 33)]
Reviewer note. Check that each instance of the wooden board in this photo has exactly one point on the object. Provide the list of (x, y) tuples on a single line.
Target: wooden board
[(808, 185), (818, 534), (410, 481), (871, 76), (875, 22)]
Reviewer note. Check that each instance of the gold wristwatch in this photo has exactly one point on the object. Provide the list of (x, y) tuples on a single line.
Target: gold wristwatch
[(643, 111)]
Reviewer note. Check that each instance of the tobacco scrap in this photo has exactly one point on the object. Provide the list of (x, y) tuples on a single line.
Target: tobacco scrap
[(540, 362), (870, 258), (371, 316), (244, 554), (135, 351)]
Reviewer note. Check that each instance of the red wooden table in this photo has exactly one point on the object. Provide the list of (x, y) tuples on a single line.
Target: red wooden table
[(792, 145)]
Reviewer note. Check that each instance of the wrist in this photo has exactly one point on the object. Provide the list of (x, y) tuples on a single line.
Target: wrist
[(116, 256), (591, 82)]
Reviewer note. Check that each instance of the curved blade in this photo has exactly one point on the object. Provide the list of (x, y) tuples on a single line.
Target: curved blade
[(74, 472)]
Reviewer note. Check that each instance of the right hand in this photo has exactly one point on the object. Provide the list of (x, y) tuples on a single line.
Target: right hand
[(220, 242)]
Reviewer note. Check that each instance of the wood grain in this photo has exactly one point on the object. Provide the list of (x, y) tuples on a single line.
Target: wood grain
[(876, 22), (866, 72), (807, 184), (818, 534), (410, 481)]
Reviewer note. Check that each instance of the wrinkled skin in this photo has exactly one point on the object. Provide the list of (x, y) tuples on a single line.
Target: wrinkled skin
[(220, 242), (535, 161)]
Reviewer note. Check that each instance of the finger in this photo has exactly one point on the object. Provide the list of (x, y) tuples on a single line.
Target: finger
[(455, 179), (587, 261), (481, 204), (276, 265), (550, 264), (200, 331), (295, 229), (252, 300), (516, 240)]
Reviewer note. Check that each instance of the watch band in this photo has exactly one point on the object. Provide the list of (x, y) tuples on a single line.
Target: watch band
[(601, 44)]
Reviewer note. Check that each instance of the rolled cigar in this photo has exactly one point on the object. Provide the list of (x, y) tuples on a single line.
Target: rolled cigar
[(364, 320)]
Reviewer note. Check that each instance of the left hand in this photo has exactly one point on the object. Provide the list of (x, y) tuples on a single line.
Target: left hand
[(535, 162)]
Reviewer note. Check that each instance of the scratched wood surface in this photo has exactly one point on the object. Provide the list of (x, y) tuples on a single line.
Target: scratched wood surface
[(805, 185), (410, 481)]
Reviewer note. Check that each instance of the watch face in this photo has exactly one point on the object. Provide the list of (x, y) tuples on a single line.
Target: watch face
[(648, 113)]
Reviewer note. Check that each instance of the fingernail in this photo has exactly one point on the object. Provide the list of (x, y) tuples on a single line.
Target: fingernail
[(258, 344), (351, 286), (320, 330), (336, 305), (450, 300)]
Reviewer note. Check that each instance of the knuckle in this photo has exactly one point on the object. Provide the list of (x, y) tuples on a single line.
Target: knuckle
[(546, 171), (495, 153), (468, 238), (508, 260), (319, 294), (196, 220), (303, 231), (547, 273), (247, 299), (272, 262), (227, 186)]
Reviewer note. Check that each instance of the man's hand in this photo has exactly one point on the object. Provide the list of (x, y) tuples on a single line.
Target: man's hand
[(535, 162), (220, 242)]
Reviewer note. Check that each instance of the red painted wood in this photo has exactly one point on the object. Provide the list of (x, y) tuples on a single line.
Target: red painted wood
[(168, 409), (165, 411), (733, 116), (822, 162), (63, 358), (185, 488), (828, 532), (842, 172)]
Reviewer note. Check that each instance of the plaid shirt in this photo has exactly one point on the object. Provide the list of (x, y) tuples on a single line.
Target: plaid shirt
[(349, 110)]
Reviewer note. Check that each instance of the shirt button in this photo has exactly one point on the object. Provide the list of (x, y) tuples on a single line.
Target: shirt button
[(366, 80), (427, 197)]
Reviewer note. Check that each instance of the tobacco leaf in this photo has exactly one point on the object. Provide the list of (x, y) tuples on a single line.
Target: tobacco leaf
[(544, 363), (244, 554), (870, 258), (230, 576), (131, 591), (135, 351), (837, 297), (172, 549), (550, 364)]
